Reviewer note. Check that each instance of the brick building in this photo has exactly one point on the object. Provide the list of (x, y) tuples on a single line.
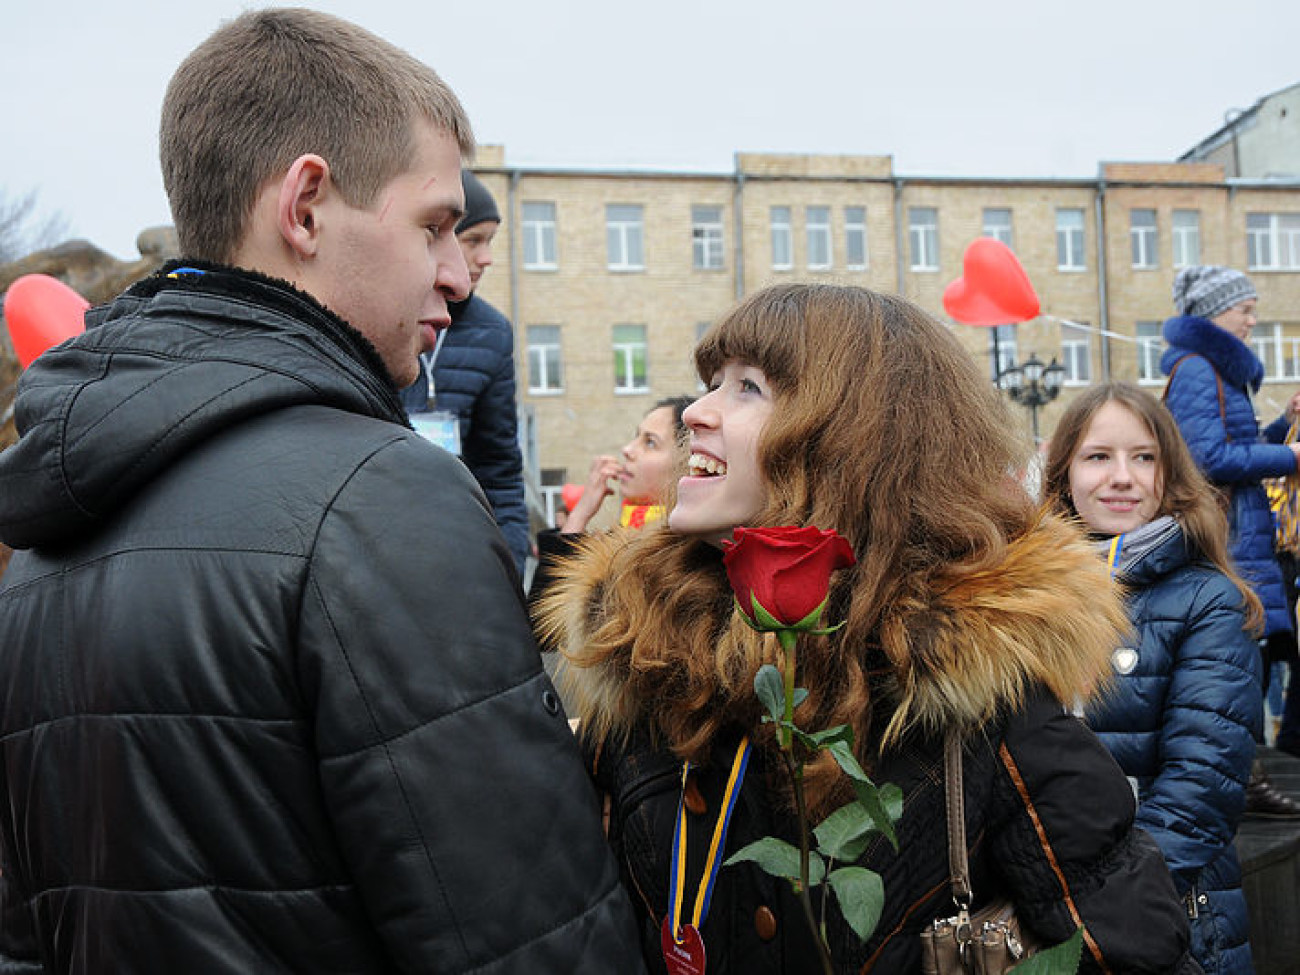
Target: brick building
[(610, 276)]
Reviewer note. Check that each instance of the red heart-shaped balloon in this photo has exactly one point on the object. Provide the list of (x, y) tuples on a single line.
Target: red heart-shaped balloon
[(570, 494), (993, 289), (42, 312)]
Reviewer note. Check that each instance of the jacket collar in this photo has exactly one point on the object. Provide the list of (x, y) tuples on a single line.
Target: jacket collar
[(1046, 614), (1232, 358)]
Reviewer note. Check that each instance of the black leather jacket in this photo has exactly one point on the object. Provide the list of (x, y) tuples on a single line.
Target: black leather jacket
[(248, 726)]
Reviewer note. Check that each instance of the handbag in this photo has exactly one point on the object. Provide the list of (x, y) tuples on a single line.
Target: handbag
[(989, 941)]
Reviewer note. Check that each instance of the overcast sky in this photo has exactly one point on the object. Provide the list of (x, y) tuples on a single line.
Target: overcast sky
[(993, 88)]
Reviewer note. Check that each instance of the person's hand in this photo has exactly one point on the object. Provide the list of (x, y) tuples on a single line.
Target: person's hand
[(1295, 450), (603, 469)]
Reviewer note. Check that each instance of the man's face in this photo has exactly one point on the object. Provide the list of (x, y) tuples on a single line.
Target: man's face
[(476, 245), (389, 269)]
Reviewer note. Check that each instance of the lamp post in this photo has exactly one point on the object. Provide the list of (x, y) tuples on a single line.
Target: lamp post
[(1033, 385)]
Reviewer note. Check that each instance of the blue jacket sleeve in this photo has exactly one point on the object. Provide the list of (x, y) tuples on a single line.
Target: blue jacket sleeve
[(492, 452), (1193, 399), (1213, 710)]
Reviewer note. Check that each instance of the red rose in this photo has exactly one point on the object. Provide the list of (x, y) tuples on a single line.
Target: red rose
[(787, 570)]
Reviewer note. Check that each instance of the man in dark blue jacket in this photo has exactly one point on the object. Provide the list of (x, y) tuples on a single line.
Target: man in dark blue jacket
[(471, 409)]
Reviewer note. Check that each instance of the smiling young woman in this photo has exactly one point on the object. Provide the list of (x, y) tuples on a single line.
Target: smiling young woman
[(967, 612), (1186, 702)]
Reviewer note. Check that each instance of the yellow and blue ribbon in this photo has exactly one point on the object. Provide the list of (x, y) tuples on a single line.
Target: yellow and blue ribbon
[(676, 880)]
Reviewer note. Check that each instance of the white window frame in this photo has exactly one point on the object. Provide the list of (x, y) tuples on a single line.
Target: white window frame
[(539, 356), (855, 239), (539, 235), (707, 238), (550, 483), (782, 238), (1071, 239), (1076, 354), (923, 238), (1273, 241), (817, 238), (994, 227), (1279, 353), (1150, 347), (1185, 233), (625, 236), (1144, 238), (625, 379)]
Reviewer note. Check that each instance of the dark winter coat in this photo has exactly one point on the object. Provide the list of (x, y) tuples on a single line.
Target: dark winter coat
[(1049, 815), (474, 377), (255, 717), (1181, 720), (1225, 442)]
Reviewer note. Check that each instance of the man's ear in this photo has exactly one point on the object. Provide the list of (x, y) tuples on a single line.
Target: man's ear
[(298, 207)]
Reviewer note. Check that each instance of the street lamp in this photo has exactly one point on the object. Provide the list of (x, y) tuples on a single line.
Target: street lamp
[(1033, 385)]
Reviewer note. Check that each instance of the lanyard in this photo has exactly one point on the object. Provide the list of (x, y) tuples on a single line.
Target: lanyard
[(676, 882), (1116, 547)]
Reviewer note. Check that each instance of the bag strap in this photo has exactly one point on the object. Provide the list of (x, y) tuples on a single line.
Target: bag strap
[(1218, 382), (958, 866)]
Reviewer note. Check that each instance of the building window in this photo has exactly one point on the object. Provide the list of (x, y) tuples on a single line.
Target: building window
[(1187, 238), (1143, 236), (782, 239), (1273, 241), (539, 236), (817, 229), (706, 236), (855, 238), (1002, 348), (1069, 240), (629, 359), (551, 482), (1279, 351), (1150, 347), (623, 237), (997, 224), (923, 235), (545, 364), (1076, 354)]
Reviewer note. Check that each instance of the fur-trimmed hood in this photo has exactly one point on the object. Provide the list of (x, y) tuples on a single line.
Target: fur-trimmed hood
[(1047, 614), (1231, 357)]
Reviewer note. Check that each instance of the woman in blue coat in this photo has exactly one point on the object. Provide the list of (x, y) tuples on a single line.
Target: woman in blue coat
[(1186, 705)]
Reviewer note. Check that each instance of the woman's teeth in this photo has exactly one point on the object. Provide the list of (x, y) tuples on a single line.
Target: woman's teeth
[(702, 466)]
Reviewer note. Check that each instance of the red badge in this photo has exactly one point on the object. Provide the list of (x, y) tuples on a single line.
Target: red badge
[(684, 957)]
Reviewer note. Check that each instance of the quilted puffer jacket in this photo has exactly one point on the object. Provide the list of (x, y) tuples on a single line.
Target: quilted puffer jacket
[(246, 725), (1181, 720), (474, 377), (1227, 445)]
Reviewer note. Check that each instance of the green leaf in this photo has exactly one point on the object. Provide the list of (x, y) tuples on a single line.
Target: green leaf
[(1063, 959), (845, 833), (764, 619), (883, 805), (841, 732), (861, 894), (780, 859), (771, 691), (800, 695), (844, 757)]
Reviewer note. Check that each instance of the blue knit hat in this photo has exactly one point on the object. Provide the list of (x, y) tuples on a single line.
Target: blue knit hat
[(479, 205), (1207, 289)]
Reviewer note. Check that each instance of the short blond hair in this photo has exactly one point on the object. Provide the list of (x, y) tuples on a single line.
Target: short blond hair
[(274, 84)]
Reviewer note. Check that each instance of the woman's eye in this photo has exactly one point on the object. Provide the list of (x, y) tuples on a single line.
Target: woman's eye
[(749, 386)]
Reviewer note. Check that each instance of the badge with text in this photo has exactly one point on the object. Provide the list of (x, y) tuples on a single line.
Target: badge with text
[(440, 427), (684, 957)]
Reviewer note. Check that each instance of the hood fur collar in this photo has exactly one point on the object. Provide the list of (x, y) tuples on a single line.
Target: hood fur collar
[(1230, 356), (1047, 614)]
